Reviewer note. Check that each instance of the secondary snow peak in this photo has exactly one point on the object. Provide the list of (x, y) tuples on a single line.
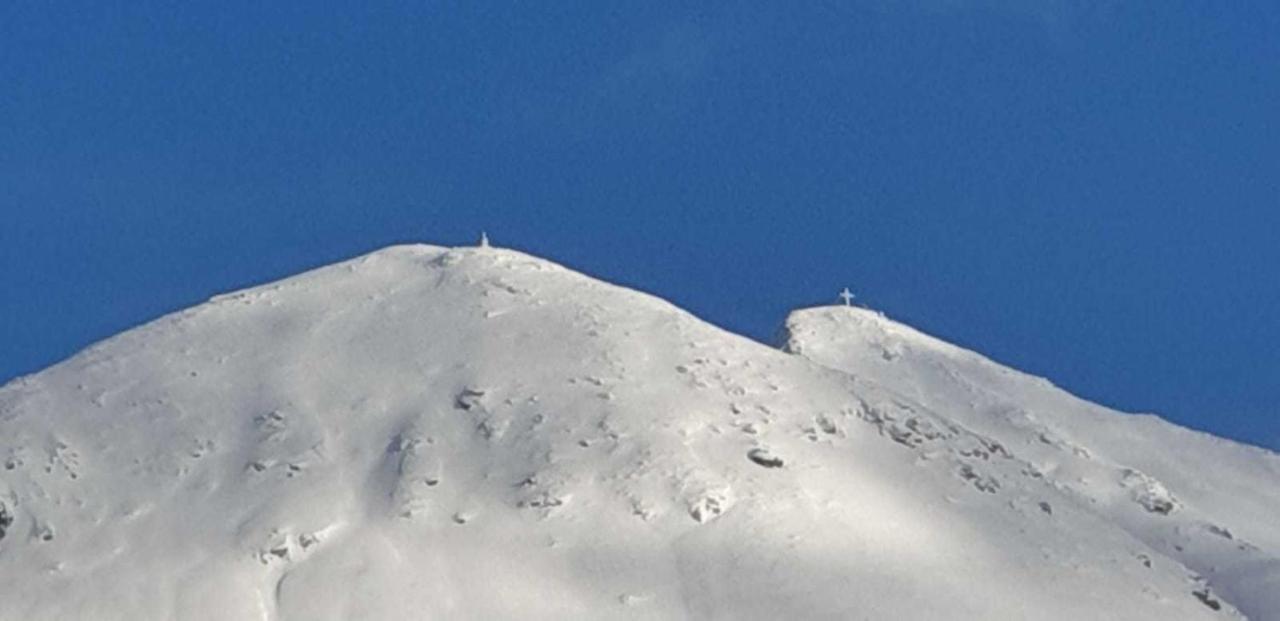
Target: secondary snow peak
[(1207, 503)]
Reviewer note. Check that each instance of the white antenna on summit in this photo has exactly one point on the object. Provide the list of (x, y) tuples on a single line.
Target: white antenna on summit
[(484, 239), (847, 296)]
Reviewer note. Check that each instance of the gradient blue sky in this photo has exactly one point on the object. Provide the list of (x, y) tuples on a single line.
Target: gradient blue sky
[(1086, 190)]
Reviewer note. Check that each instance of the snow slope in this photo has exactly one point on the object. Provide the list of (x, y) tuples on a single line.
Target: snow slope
[(475, 433), (1209, 503)]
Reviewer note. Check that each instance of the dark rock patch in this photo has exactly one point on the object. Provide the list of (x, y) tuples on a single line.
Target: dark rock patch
[(763, 457), (6, 519), (469, 399), (1207, 599), (982, 483)]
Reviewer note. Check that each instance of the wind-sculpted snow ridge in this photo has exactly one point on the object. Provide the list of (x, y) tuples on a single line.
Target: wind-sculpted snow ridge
[(1207, 503), (475, 433)]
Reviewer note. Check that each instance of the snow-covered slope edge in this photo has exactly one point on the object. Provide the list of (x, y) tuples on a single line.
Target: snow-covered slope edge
[(1210, 503), (475, 433)]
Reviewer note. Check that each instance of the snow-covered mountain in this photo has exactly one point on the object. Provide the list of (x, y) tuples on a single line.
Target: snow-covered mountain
[(475, 433), (1211, 504)]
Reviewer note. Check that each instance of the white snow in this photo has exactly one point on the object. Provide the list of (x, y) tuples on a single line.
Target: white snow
[(1210, 504), (475, 433)]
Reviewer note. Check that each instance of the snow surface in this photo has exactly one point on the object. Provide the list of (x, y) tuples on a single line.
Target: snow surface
[(475, 433), (1210, 504)]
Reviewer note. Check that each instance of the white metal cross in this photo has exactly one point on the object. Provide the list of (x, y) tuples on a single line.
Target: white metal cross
[(847, 297)]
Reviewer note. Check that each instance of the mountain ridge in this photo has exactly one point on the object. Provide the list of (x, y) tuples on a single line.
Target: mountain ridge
[(1165, 467), (477, 433)]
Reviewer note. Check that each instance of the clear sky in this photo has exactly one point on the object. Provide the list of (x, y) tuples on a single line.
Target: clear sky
[(1088, 190)]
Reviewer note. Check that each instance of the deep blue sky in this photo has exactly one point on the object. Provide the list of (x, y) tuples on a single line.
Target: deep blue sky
[(1086, 190)]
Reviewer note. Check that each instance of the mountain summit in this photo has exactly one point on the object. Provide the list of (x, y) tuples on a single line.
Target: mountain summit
[(474, 433)]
